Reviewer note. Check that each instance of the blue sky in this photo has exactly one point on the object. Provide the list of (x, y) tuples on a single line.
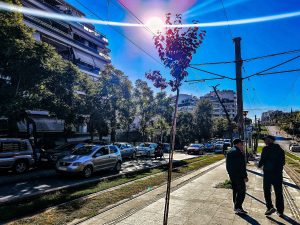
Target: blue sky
[(260, 93)]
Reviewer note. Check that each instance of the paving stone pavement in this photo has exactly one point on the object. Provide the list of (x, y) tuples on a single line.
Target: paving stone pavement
[(199, 202)]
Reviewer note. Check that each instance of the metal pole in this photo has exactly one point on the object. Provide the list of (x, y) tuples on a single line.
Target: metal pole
[(225, 110), (239, 85)]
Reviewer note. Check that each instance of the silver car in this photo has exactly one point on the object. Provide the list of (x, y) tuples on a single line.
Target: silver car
[(127, 150), (16, 154), (146, 149), (91, 158)]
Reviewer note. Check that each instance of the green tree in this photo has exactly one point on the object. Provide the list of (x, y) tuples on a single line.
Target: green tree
[(144, 101), (185, 128), (220, 127), (112, 107), (34, 75), (203, 120)]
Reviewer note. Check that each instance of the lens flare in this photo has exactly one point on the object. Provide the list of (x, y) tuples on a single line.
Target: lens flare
[(155, 24), (57, 16)]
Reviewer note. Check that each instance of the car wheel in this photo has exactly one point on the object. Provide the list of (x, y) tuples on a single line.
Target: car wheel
[(20, 167), (148, 154), (118, 167), (87, 171)]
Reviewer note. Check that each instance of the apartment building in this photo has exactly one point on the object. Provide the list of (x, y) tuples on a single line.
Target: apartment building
[(76, 42)]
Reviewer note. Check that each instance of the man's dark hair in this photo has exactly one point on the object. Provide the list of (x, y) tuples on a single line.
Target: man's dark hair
[(236, 141)]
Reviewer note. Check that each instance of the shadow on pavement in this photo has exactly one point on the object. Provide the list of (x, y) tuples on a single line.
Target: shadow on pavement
[(284, 182), (249, 219), (251, 196), (289, 220)]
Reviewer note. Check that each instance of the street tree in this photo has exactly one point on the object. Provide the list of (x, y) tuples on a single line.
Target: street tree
[(203, 120), (33, 75), (220, 127), (144, 100), (185, 128), (175, 47)]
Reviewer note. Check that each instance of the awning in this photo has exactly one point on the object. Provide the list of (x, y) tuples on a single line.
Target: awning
[(99, 63), (84, 57), (43, 125)]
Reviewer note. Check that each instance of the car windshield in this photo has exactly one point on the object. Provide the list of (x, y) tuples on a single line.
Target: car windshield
[(145, 145), (84, 150), (119, 145), (194, 145)]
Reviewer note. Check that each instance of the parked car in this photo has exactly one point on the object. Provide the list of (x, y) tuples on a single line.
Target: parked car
[(146, 149), (195, 149), (166, 147), (185, 148), (208, 147), (219, 147), (16, 154), (90, 158), (295, 147), (127, 150), (52, 155), (227, 144)]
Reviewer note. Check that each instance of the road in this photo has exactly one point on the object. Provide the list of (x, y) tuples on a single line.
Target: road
[(41, 181), (282, 138)]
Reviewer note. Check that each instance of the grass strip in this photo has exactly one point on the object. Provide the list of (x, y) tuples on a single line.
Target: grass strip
[(294, 165), (292, 156), (88, 207)]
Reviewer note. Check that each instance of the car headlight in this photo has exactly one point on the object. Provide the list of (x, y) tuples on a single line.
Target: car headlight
[(76, 164)]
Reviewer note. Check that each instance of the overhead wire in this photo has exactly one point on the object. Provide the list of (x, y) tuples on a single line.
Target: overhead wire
[(249, 59), (141, 22), (120, 33), (227, 18), (272, 67)]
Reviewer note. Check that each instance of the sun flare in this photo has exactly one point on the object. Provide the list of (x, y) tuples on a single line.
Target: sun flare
[(155, 24)]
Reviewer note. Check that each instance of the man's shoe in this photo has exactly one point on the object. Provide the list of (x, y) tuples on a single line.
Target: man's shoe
[(281, 215), (270, 211), (240, 211)]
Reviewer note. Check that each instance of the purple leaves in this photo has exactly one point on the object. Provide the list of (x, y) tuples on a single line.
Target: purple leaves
[(158, 80), (175, 49)]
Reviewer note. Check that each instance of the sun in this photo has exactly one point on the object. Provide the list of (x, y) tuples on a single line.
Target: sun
[(155, 24)]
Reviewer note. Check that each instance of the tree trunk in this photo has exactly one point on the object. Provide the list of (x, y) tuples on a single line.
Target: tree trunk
[(167, 199)]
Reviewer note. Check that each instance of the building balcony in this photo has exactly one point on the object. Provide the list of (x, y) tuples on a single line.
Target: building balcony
[(46, 29)]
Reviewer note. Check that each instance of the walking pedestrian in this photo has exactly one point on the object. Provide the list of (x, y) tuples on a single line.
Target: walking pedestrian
[(272, 160), (236, 168)]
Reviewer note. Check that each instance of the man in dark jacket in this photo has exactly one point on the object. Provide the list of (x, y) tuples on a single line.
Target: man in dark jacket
[(272, 160), (236, 168)]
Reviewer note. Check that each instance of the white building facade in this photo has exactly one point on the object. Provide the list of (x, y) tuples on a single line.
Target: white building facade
[(228, 97)]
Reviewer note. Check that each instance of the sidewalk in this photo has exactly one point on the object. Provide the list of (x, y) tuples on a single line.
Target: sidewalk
[(199, 202)]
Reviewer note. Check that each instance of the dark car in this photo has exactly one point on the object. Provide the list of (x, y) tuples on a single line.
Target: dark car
[(195, 149), (52, 155), (208, 147), (166, 147), (127, 150)]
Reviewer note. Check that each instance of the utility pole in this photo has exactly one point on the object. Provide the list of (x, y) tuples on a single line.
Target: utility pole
[(225, 110), (239, 85)]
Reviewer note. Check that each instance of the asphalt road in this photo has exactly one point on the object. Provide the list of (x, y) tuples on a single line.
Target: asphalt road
[(45, 180), (282, 138)]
